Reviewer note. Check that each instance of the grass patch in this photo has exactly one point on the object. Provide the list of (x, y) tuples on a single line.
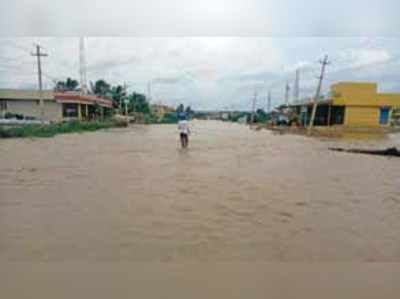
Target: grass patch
[(169, 118), (151, 119), (54, 129)]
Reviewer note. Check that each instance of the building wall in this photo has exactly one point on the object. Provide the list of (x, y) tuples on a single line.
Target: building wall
[(160, 110), (362, 94), (362, 116), (362, 102), (52, 110), (25, 94), (389, 99), (355, 94)]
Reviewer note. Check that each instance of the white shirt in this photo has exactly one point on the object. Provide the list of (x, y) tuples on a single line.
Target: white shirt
[(183, 126)]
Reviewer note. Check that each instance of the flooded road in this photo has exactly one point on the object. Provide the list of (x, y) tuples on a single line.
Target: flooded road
[(234, 195)]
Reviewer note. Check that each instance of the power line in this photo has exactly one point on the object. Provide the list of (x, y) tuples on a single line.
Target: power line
[(7, 63), (253, 110), (38, 55), (15, 45), (15, 67), (13, 59), (284, 80)]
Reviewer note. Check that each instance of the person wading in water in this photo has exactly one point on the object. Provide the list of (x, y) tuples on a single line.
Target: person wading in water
[(183, 128)]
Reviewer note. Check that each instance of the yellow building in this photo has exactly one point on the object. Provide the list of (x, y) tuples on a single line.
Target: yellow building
[(161, 110), (353, 104), (363, 105)]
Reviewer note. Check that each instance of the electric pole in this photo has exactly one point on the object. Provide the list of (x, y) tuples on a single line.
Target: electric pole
[(324, 63), (253, 110), (149, 90), (125, 99), (269, 102), (287, 92), (82, 64), (39, 54), (296, 93)]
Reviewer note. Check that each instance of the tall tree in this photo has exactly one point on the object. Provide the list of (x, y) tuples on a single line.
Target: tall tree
[(67, 85), (138, 103), (261, 115), (180, 108), (189, 110), (118, 95), (101, 88)]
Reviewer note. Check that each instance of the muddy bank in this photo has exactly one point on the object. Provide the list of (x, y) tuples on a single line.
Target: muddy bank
[(389, 152), (335, 132)]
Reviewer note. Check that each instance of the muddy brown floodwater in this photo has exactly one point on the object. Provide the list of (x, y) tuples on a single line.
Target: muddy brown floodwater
[(234, 195)]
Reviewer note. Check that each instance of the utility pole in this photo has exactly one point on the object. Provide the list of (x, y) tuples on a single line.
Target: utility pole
[(149, 90), (39, 54), (269, 102), (324, 63), (82, 64), (125, 99), (287, 93), (253, 110), (296, 93), (264, 105)]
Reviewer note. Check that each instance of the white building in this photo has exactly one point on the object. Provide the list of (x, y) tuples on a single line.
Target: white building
[(58, 106)]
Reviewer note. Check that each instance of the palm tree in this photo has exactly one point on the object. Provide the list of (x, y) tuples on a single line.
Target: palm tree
[(101, 88), (118, 94), (188, 110), (68, 85), (71, 84), (139, 103), (180, 108)]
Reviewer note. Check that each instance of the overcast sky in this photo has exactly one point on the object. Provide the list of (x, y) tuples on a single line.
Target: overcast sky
[(206, 72), (199, 17), (264, 42)]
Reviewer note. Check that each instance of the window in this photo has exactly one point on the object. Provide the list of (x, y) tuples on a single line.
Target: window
[(384, 116), (70, 110), (3, 105)]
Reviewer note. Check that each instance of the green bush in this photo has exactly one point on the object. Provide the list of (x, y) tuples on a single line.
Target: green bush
[(169, 118), (54, 129), (148, 118)]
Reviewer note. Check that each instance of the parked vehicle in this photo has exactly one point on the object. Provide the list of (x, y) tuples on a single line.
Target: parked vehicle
[(282, 120)]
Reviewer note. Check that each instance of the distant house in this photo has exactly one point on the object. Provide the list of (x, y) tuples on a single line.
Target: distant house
[(352, 104), (161, 110), (224, 115), (58, 106)]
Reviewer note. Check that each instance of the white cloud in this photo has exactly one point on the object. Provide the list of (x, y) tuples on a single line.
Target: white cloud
[(355, 58), (208, 72), (195, 17)]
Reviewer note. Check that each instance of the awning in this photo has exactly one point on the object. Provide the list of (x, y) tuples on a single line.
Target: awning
[(82, 99)]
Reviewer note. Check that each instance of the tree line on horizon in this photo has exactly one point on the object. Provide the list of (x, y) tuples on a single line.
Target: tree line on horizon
[(137, 102)]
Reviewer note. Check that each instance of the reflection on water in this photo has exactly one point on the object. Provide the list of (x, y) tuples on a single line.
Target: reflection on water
[(235, 194)]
